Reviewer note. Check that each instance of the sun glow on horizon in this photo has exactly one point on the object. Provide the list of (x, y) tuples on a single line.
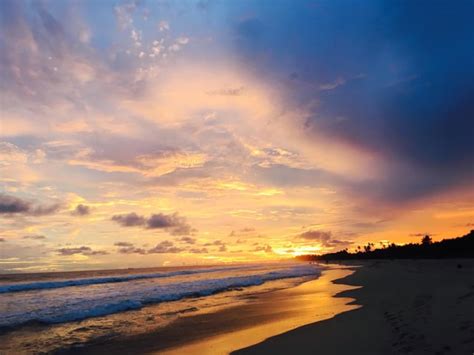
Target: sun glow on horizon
[(230, 134)]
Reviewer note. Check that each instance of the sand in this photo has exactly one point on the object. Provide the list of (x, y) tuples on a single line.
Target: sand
[(220, 332), (269, 314), (376, 307), (408, 307)]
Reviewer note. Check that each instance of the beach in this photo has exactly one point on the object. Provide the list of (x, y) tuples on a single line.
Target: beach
[(408, 307), (151, 309), (359, 307), (257, 317)]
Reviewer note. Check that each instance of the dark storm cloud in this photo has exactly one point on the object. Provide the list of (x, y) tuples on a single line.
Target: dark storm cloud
[(172, 223), (83, 250), (11, 205), (395, 78), (81, 210)]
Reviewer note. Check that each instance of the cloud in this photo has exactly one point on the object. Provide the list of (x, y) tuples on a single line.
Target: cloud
[(160, 220), (421, 234), (11, 154), (129, 220), (124, 13), (163, 26), (129, 248), (164, 248), (218, 243), (83, 250), (242, 231), (11, 205), (265, 248), (155, 164), (172, 223), (228, 91), (321, 236), (188, 240), (393, 98), (81, 210), (198, 250), (214, 243), (35, 237), (324, 238), (123, 244)]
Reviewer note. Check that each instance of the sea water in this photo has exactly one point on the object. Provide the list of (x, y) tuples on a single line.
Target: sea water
[(60, 310)]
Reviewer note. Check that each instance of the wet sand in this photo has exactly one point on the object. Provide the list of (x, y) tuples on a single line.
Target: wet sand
[(408, 307), (229, 329), (273, 313)]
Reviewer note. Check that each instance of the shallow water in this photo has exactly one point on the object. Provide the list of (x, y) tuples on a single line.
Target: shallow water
[(51, 312)]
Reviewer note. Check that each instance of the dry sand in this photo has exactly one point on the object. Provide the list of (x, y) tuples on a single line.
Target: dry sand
[(408, 307)]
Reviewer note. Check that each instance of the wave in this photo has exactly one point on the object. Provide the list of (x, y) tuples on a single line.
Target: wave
[(45, 285), (151, 295)]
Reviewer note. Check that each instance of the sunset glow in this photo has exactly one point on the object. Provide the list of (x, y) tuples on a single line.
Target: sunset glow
[(150, 133)]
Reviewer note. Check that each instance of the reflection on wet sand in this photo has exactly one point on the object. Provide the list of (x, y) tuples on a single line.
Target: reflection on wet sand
[(270, 314)]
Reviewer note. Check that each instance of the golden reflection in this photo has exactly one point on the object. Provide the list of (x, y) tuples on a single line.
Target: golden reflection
[(307, 303)]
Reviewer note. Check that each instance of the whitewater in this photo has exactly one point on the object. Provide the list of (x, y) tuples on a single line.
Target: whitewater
[(57, 301)]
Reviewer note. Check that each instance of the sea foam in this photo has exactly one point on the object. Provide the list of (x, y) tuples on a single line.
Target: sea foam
[(44, 285), (67, 310)]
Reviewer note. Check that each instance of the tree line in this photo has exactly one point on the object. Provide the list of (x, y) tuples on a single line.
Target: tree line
[(461, 247)]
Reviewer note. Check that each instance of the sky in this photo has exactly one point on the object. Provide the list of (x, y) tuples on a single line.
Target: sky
[(156, 132)]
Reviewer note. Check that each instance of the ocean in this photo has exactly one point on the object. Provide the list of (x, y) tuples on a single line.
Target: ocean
[(57, 311)]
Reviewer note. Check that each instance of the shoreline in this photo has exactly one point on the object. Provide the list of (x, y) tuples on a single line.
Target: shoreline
[(225, 330), (310, 302), (408, 307), (356, 307)]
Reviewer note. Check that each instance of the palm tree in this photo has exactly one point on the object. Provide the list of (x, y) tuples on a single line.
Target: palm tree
[(426, 240)]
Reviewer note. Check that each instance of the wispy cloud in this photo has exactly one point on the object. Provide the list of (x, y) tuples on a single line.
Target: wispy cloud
[(83, 250), (34, 237)]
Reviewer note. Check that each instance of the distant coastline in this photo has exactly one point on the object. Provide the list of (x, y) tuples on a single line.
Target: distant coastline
[(461, 247)]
